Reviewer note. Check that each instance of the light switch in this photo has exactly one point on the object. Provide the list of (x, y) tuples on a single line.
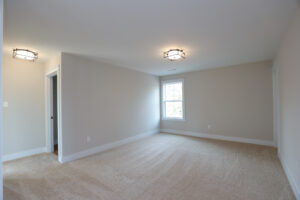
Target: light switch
[(5, 104)]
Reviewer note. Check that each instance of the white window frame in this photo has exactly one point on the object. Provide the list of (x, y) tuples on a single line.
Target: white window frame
[(163, 101)]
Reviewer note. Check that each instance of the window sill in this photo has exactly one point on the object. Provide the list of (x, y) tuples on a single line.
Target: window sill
[(173, 119)]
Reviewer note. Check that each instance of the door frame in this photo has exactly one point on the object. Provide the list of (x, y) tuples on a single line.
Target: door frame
[(49, 109), (276, 106)]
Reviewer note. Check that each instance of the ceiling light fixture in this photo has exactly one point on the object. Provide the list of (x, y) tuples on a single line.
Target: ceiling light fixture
[(174, 54), (25, 54)]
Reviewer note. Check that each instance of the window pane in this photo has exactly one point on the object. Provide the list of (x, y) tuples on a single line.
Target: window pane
[(174, 110), (173, 91)]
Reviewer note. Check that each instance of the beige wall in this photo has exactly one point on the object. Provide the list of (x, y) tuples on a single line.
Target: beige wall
[(288, 62), (24, 118), (53, 63), (104, 102), (236, 101)]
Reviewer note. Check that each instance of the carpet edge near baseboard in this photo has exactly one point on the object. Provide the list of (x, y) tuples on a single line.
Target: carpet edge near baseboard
[(219, 137), (105, 147)]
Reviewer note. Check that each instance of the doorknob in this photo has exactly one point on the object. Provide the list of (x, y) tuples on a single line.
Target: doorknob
[(52, 117)]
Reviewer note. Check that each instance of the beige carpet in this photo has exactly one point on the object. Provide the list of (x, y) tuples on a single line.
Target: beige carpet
[(160, 167)]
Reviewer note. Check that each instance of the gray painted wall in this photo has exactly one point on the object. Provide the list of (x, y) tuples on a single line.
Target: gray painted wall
[(104, 102), (288, 63), (24, 118), (235, 101)]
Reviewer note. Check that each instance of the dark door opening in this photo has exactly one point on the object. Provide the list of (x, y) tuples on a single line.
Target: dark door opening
[(54, 114)]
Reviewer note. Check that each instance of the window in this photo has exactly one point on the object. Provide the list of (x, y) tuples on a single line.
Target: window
[(172, 99)]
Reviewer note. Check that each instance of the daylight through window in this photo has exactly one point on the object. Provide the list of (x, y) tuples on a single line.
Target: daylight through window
[(172, 93)]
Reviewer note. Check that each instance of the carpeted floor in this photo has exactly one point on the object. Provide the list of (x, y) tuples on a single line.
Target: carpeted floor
[(160, 167)]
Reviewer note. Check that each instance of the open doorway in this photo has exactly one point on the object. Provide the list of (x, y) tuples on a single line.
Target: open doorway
[(53, 113)]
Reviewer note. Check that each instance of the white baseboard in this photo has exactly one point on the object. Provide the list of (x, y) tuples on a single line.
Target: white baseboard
[(291, 179), (105, 147), (219, 137), (23, 154)]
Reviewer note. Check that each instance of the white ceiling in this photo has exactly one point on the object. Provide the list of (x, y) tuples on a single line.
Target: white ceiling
[(134, 33)]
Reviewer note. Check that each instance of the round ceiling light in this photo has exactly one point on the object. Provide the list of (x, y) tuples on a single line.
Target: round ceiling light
[(174, 54), (25, 54)]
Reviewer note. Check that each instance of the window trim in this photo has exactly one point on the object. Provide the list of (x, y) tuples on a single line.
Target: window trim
[(163, 106)]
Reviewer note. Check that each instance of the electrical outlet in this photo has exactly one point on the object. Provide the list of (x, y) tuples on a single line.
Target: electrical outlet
[(208, 126), (88, 139)]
